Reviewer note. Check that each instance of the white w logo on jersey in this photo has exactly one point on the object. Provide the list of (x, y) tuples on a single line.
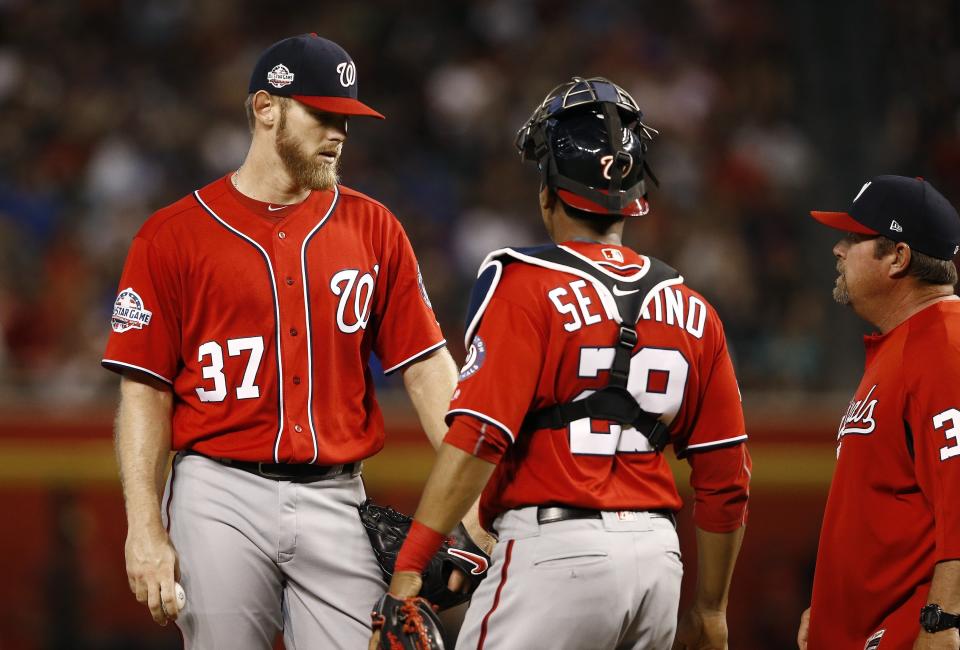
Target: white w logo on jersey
[(346, 284)]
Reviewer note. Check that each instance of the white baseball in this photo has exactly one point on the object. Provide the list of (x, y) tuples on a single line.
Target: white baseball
[(181, 595)]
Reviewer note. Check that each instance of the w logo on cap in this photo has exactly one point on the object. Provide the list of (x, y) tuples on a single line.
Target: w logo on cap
[(348, 73), (895, 227)]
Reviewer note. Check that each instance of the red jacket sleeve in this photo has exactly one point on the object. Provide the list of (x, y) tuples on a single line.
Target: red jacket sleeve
[(933, 414)]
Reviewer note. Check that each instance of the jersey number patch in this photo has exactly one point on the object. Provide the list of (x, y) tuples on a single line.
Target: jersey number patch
[(658, 379), (247, 389), (940, 420)]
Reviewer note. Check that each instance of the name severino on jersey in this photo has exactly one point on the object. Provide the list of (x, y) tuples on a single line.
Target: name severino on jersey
[(669, 306)]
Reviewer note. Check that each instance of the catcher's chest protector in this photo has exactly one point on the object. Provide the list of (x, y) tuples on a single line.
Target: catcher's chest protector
[(623, 297)]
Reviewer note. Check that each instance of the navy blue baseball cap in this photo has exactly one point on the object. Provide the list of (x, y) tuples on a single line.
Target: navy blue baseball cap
[(903, 209), (312, 70)]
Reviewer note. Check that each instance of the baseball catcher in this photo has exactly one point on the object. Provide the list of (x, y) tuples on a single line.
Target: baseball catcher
[(586, 361)]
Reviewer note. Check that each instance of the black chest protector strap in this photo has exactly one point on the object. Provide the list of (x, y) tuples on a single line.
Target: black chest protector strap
[(614, 402)]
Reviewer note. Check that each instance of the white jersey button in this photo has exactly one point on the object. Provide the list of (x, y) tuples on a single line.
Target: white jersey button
[(282, 235), (297, 428)]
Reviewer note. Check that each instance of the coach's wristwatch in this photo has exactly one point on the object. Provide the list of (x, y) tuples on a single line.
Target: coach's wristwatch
[(934, 619)]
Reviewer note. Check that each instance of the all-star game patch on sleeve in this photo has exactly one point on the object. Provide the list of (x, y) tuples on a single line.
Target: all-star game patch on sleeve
[(933, 417), (498, 381), (407, 329), (145, 322)]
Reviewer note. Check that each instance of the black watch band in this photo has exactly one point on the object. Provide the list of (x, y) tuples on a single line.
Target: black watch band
[(934, 619)]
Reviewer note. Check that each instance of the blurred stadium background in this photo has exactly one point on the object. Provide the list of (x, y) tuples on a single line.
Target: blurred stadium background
[(110, 109)]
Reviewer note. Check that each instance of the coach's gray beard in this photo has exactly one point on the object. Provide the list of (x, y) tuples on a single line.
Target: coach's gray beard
[(307, 171), (840, 293)]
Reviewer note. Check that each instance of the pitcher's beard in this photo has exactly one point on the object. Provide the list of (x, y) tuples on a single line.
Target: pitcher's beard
[(308, 172)]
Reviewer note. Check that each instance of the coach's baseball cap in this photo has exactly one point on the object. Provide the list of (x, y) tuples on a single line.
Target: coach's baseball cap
[(903, 209), (312, 70)]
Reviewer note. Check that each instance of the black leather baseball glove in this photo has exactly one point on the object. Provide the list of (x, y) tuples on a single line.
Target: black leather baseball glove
[(407, 624), (387, 529)]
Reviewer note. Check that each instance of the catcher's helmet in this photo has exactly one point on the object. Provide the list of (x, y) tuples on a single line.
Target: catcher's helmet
[(589, 142)]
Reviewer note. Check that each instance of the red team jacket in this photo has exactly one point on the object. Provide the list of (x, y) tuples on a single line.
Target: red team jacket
[(263, 320), (541, 337), (894, 505)]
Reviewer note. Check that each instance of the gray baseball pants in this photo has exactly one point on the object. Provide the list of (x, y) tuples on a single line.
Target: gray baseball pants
[(581, 584), (258, 556)]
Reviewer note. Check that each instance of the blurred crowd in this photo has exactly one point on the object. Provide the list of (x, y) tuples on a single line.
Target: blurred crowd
[(110, 109)]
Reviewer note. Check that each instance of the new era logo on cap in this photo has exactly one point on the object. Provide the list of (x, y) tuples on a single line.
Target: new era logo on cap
[(312, 70), (905, 210)]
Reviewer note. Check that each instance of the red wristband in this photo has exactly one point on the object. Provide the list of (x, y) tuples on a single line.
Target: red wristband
[(418, 549)]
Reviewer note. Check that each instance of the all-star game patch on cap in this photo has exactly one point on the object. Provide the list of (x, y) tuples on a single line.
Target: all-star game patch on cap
[(312, 70), (903, 209)]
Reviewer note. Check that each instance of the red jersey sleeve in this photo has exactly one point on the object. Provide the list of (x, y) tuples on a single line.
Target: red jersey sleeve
[(718, 421), (715, 448), (721, 482), (479, 438), (146, 315), (933, 415), (407, 328), (499, 379)]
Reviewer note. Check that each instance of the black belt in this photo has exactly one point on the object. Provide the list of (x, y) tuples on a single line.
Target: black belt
[(298, 472), (551, 514)]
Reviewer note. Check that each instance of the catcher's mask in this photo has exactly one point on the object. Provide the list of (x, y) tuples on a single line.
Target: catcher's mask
[(590, 144)]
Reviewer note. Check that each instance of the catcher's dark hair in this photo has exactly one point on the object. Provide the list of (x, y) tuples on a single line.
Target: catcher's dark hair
[(924, 268)]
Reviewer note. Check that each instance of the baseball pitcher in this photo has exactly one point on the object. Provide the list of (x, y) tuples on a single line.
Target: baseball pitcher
[(246, 315)]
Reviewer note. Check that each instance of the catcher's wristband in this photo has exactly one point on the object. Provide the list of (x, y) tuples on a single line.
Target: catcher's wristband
[(421, 544)]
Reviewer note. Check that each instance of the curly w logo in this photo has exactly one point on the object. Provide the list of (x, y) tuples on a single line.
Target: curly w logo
[(356, 292)]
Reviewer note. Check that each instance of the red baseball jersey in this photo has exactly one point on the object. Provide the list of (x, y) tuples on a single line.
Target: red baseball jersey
[(893, 511), (262, 318), (543, 336)]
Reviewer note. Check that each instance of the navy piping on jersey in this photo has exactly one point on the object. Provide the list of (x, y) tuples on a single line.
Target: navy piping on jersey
[(306, 306), (418, 355), (484, 418), (276, 315), (107, 363), (474, 322)]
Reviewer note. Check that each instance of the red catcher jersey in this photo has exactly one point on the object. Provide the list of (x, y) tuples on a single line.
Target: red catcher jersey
[(545, 338), (264, 326), (893, 510)]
